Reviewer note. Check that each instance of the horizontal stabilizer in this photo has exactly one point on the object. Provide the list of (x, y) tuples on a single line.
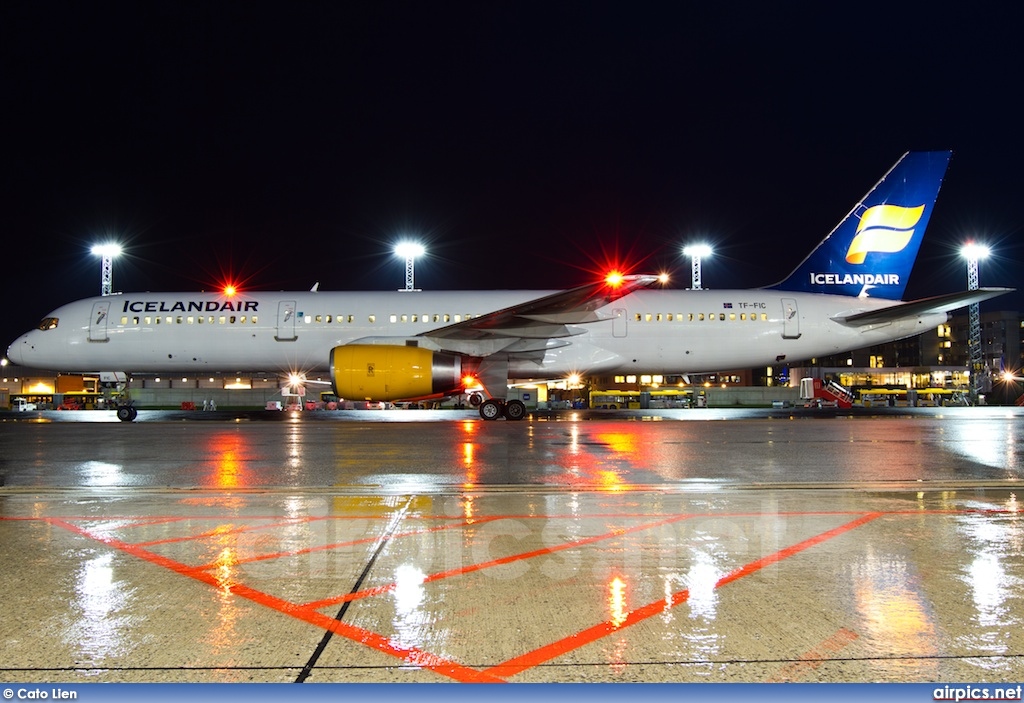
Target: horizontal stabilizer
[(924, 306)]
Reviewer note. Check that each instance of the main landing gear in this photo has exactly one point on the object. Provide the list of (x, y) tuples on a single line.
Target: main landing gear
[(493, 408), (127, 413)]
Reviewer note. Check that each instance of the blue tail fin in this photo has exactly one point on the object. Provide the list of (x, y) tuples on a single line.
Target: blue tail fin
[(872, 251)]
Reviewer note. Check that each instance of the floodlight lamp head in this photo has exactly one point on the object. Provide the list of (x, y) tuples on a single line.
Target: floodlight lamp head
[(701, 250), (409, 250), (107, 250), (972, 251)]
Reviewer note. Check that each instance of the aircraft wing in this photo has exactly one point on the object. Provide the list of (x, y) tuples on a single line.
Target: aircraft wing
[(541, 319), (924, 306)]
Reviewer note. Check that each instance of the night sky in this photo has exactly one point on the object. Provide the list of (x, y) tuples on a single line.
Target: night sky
[(528, 144)]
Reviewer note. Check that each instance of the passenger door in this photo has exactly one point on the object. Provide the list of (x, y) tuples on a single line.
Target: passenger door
[(98, 322), (619, 323), (790, 319), (286, 321)]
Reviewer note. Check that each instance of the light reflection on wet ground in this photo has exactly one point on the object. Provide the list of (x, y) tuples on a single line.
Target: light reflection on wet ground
[(760, 549)]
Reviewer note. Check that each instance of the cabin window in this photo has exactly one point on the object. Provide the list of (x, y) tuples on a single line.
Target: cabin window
[(764, 317), (393, 318), (373, 319), (124, 321)]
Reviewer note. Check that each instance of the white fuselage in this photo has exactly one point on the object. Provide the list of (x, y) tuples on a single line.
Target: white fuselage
[(650, 331)]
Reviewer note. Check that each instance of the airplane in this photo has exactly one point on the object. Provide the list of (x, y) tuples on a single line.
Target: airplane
[(403, 345)]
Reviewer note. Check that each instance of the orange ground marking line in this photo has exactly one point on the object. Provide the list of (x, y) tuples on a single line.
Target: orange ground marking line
[(547, 652), (352, 543), (378, 590), (410, 655), (220, 531), (812, 660)]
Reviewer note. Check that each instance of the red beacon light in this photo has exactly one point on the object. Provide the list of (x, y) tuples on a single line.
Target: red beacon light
[(230, 290), (614, 278)]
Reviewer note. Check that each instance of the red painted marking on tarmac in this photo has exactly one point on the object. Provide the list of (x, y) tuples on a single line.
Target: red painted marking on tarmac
[(378, 590), (232, 530), (538, 656), (352, 543), (811, 660), (411, 655)]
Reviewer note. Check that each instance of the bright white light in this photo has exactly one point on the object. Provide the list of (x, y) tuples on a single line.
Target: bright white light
[(701, 250), (410, 250), (973, 251), (111, 249)]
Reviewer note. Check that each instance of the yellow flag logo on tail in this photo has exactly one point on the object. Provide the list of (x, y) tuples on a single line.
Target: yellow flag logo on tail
[(883, 228)]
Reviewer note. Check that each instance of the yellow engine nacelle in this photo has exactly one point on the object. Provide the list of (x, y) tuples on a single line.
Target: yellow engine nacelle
[(390, 372)]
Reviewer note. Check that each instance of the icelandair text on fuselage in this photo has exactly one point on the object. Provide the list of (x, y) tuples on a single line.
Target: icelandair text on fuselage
[(191, 306), (36, 694), (857, 279)]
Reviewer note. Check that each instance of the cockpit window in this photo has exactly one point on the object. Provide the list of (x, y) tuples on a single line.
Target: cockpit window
[(48, 323)]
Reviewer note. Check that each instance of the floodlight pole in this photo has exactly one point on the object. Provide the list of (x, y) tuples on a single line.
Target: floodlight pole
[(973, 252), (974, 333), (409, 250), (106, 252), (106, 275), (409, 281), (695, 252)]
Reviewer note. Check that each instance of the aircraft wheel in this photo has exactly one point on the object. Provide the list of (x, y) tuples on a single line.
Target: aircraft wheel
[(135, 413), (475, 399), (126, 413), (491, 409), (515, 410)]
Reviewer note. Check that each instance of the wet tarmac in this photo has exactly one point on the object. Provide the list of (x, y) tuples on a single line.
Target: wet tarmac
[(412, 546)]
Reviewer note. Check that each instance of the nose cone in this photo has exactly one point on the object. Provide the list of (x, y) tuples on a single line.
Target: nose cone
[(16, 352)]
